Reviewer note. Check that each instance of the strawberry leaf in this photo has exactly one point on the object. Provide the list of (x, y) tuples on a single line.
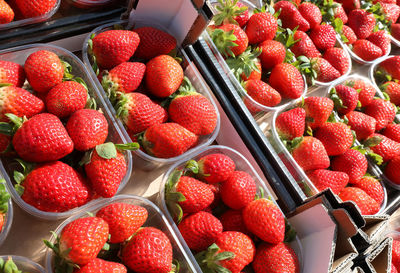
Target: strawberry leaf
[(106, 150), (192, 166), (372, 141)]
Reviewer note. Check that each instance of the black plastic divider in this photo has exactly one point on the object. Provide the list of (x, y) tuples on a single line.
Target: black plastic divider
[(285, 198)]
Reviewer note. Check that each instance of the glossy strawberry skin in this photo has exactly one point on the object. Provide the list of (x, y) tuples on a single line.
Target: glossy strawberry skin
[(260, 27), (12, 73), (99, 265), (366, 50), (232, 220), (349, 98), (395, 31), (30, 9), (350, 5), (361, 22), (318, 109), (392, 131), (238, 190), (287, 80), (311, 13), (362, 124), (243, 18), (273, 53), (392, 11), (392, 66), (198, 195), (336, 137), (366, 204), (350, 35), (305, 46), (338, 58), (262, 93), (393, 269), (311, 154), (392, 170), (383, 111), (393, 90), (325, 71), (396, 254), (387, 148), (215, 168), (353, 163), (127, 76), (6, 12), (372, 187), (380, 39), (153, 42), (241, 38), (290, 16), (323, 179), (323, 36), (366, 91), (291, 124)]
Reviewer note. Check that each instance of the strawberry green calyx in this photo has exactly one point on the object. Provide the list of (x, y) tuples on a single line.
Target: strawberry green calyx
[(224, 41), (120, 106), (373, 141), (9, 266), (228, 10), (336, 99), (4, 197), (67, 71), (209, 259), (172, 197), (307, 67), (95, 67), (377, 159), (19, 177), (110, 87), (337, 25), (290, 232), (61, 265), (9, 128), (109, 150), (186, 89), (245, 62), (293, 144), (382, 21)]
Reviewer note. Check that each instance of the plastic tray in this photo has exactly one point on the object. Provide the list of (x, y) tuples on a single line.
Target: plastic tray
[(19, 55), (142, 159), (7, 223), (25, 264), (33, 20), (155, 219), (241, 164)]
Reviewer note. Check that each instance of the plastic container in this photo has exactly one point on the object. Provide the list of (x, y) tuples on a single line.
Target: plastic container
[(7, 222), (7, 166), (155, 219), (33, 20), (142, 159), (91, 4), (25, 264), (242, 164)]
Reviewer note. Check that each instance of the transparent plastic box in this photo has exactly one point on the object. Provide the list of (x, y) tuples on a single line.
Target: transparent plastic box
[(156, 219), (142, 159), (25, 264), (8, 219), (7, 165), (242, 164)]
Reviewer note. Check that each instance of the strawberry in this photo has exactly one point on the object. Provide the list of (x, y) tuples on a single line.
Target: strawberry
[(230, 40), (353, 163), (338, 58), (163, 76), (153, 42), (383, 146), (260, 27), (311, 13), (383, 111), (264, 219), (262, 93), (372, 187), (200, 230), (290, 16), (318, 110), (277, 258), (215, 168), (323, 36), (350, 5), (345, 98), (54, 187), (393, 269), (396, 254), (99, 265), (19, 102), (366, 91), (304, 45), (361, 22), (231, 12), (12, 73), (287, 80), (168, 140), (323, 179), (44, 70), (30, 9), (310, 154), (66, 98), (42, 138), (6, 13), (392, 170), (138, 112), (232, 220), (340, 13), (2, 220), (238, 190), (325, 71), (148, 251), (381, 39), (391, 66), (246, 66), (366, 204), (392, 131), (291, 124), (395, 31), (392, 89), (336, 137), (273, 53), (392, 11), (349, 34), (362, 124), (5, 142), (123, 220)]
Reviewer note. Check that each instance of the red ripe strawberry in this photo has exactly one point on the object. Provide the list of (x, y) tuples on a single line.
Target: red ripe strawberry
[(393, 270), (66, 98), (348, 97), (230, 40), (392, 131), (123, 220), (290, 16), (19, 102), (254, 75), (275, 259), (372, 187), (366, 91), (262, 93), (153, 42), (55, 187), (304, 46), (232, 220), (42, 138), (264, 219), (392, 11), (125, 77), (396, 254), (362, 124), (381, 39), (99, 265), (44, 70), (338, 58), (318, 109), (393, 91), (392, 170), (214, 168), (238, 190), (352, 162), (386, 147), (395, 31), (325, 71), (336, 137), (168, 140), (195, 112), (163, 76), (113, 47), (323, 36), (291, 124), (311, 13), (138, 112), (340, 13), (5, 142), (200, 230), (287, 80), (350, 5), (6, 13), (349, 34), (148, 251), (383, 111), (391, 66), (366, 204), (323, 179), (12, 73), (30, 9), (273, 53), (384, 1), (232, 12), (260, 27), (361, 22), (2, 216), (310, 154)]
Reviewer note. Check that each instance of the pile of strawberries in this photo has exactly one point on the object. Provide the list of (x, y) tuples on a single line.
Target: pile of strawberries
[(65, 159), (4, 198), (112, 240), (20, 9), (137, 74), (223, 221)]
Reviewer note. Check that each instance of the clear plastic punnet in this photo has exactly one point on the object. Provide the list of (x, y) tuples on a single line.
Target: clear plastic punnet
[(8, 219), (25, 264)]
